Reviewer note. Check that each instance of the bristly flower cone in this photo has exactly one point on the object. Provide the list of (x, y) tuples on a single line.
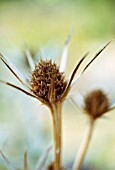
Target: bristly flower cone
[(47, 82), (96, 104)]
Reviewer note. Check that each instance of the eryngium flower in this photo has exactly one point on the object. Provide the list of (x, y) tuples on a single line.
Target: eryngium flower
[(47, 82), (96, 103), (48, 85)]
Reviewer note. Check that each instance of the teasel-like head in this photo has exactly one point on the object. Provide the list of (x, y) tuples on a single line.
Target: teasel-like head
[(47, 82), (96, 104)]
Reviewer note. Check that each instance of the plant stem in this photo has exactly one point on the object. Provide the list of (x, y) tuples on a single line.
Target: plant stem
[(84, 145), (25, 161), (56, 117)]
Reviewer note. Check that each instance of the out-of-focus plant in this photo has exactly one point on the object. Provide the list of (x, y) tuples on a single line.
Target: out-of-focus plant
[(96, 104), (39, 166)]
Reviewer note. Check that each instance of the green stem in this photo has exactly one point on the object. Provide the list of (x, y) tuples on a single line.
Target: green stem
[(84, 145), (56, 118)]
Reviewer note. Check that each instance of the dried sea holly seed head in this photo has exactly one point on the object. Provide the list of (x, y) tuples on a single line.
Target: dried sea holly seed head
[(96, 104), (47, 82)]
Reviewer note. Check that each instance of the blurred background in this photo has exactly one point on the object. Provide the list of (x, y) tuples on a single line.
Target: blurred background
[(44, 25)]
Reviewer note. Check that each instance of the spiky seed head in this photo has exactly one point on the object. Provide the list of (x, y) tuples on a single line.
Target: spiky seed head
[(96, 104), (47, 82)]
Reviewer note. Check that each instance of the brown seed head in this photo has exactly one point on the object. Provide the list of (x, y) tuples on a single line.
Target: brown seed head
[(47, 82), (96, 104)]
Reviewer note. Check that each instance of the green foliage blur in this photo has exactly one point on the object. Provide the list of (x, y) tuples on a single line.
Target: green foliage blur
[(92, 20)]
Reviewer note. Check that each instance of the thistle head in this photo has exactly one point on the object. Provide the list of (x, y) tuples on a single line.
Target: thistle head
[(96, 104), (47, 82)]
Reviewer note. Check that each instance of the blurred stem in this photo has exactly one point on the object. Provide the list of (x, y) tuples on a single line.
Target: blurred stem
[(84, 145), (56, 116), (25, 161)]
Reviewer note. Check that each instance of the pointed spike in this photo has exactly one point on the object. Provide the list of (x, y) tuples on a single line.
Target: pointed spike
[(65, 52), (18, 88), (75, 79), (14, 70), (41, 163), (71, 101), (96, 55), (73, 74), (78, 76), (69, 36), (8, 163), (25, 161), (51, 93), (24, 91), (112, 107), (76, 68), (29, 58)]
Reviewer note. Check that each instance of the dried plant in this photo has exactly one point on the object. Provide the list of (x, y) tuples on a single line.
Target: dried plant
[(96, 104), (47, 83)]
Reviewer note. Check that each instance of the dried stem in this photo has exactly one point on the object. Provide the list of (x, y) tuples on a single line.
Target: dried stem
[(84, 145), (56, 118), (25, 161)]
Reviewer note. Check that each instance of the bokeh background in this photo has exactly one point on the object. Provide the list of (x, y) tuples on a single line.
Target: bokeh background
[(44, 25)]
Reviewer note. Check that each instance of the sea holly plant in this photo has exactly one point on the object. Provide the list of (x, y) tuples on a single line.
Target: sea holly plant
[(47, 84), (96, 104)]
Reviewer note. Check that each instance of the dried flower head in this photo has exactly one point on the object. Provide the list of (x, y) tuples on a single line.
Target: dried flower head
[(96, 104), (47, 82)]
